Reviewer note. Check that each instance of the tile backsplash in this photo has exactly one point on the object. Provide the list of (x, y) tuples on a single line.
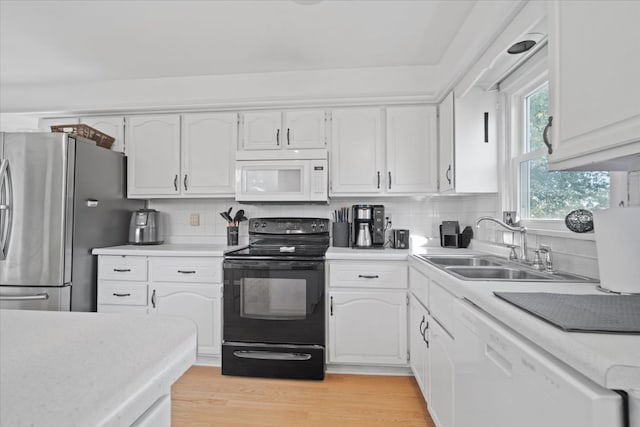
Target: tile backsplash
[(421, 216)]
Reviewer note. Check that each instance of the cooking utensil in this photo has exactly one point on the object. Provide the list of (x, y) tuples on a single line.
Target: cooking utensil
[(226, 216), (238, 216)]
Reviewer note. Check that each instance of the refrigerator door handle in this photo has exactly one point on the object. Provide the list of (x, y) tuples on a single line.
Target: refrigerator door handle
[(5, 207), (36, 297)]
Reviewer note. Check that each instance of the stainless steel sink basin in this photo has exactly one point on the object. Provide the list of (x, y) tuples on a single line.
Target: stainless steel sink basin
[(496, 273), (489, 267), (460, 260)]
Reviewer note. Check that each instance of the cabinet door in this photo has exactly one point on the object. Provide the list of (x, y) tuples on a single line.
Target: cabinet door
[(412, 163), (441, 375), (418, 319), (111, 125), (153, 148), (304, 129), (209, 144), (357, 163), (198, 302), (476, 142), (262, 131), (368, 327), (446, 167), (594, 88)]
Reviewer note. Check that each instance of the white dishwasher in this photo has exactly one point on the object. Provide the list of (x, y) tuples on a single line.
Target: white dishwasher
[(501, 380)]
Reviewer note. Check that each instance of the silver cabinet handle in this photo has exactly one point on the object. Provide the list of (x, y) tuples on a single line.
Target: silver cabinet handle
[(153, 299), (122, 270), (175, 182), (115, 294), (389, 180), (271, 355), (420, 325), (278, 137), (378, 179), (366, 276), (545, 135), (186, 271), (331, 306), (288, 139), (447, 174), (486, 127), (185, 182), (36, 297)]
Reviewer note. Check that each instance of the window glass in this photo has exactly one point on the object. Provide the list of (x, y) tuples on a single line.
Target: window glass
[(536, 110), (552, 195), (548, 194)]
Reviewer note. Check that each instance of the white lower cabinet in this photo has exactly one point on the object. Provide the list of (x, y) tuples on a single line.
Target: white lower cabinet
[(441, 375), (201, 303), (368, 327), (174, 286), (419, 344)]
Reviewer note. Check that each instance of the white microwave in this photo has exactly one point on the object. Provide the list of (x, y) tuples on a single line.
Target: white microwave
[(282, 180)]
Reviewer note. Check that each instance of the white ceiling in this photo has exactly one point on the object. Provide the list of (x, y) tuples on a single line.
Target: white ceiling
[(54, 42)]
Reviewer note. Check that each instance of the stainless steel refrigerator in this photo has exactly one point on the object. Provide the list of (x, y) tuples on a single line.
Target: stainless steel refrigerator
[(60, 197)]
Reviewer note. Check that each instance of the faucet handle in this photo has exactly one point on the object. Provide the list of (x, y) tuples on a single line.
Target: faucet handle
[(548, 258), (537, 261), (513, 255)]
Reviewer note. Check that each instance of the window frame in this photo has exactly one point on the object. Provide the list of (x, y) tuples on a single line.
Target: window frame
[(513, 90)]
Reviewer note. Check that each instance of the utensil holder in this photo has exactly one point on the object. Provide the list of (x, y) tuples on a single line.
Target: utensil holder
[(341, 234), (232, 236)]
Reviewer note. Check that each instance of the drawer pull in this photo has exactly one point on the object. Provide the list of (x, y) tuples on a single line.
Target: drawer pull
[(122, 270), (368, 276), (186, 271), (121, 295)]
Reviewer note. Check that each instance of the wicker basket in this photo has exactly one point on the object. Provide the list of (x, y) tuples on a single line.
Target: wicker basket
[(101, 139)]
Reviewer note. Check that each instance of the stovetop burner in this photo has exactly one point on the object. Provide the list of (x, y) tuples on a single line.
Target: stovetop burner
[(290, 238)]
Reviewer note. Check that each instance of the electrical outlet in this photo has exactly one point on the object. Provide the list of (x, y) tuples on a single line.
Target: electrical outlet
[(194, 219)]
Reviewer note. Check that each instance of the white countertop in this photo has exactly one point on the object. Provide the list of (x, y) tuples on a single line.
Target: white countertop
[(169, 249), (389, 254), (88, 369), (611, 360)]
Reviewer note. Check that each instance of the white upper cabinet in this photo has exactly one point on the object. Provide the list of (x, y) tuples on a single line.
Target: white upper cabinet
[(153, 149), (275, 130), (411, 150), (356, 151), (594, 91), (262, 130), (110, 125), (208, 153), (366, 160), (468, 143), (181, 156), (304, 129)]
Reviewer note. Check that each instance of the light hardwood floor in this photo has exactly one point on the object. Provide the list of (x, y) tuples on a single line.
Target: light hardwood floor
[(203, 397)]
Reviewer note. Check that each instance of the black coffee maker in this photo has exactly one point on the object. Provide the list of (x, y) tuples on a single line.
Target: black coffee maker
[(368, 226)]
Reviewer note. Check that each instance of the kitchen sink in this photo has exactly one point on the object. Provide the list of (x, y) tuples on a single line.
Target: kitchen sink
[(496, 273), (489, 267), (460, 260)]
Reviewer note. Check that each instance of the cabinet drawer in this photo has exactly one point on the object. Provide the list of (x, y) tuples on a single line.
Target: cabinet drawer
[(441, 305), (186, 269), (122, 293), (419, 285), (368, 275), (122, 268)]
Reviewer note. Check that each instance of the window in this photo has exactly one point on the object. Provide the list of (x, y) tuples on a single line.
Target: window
[(539, 195), (547, 194)]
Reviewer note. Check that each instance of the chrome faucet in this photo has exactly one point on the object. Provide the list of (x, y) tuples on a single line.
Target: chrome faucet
[(548, 258), (520, 229)]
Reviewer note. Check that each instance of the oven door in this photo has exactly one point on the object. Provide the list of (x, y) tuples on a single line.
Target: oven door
[(274, 301)]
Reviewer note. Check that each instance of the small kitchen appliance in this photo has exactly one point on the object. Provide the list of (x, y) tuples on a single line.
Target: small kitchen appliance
[(400, 239), (145, 228), (449, 234), (368, 226)]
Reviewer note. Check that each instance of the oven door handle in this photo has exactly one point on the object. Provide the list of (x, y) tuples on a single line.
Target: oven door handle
[(271, 355), (273, 265)]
